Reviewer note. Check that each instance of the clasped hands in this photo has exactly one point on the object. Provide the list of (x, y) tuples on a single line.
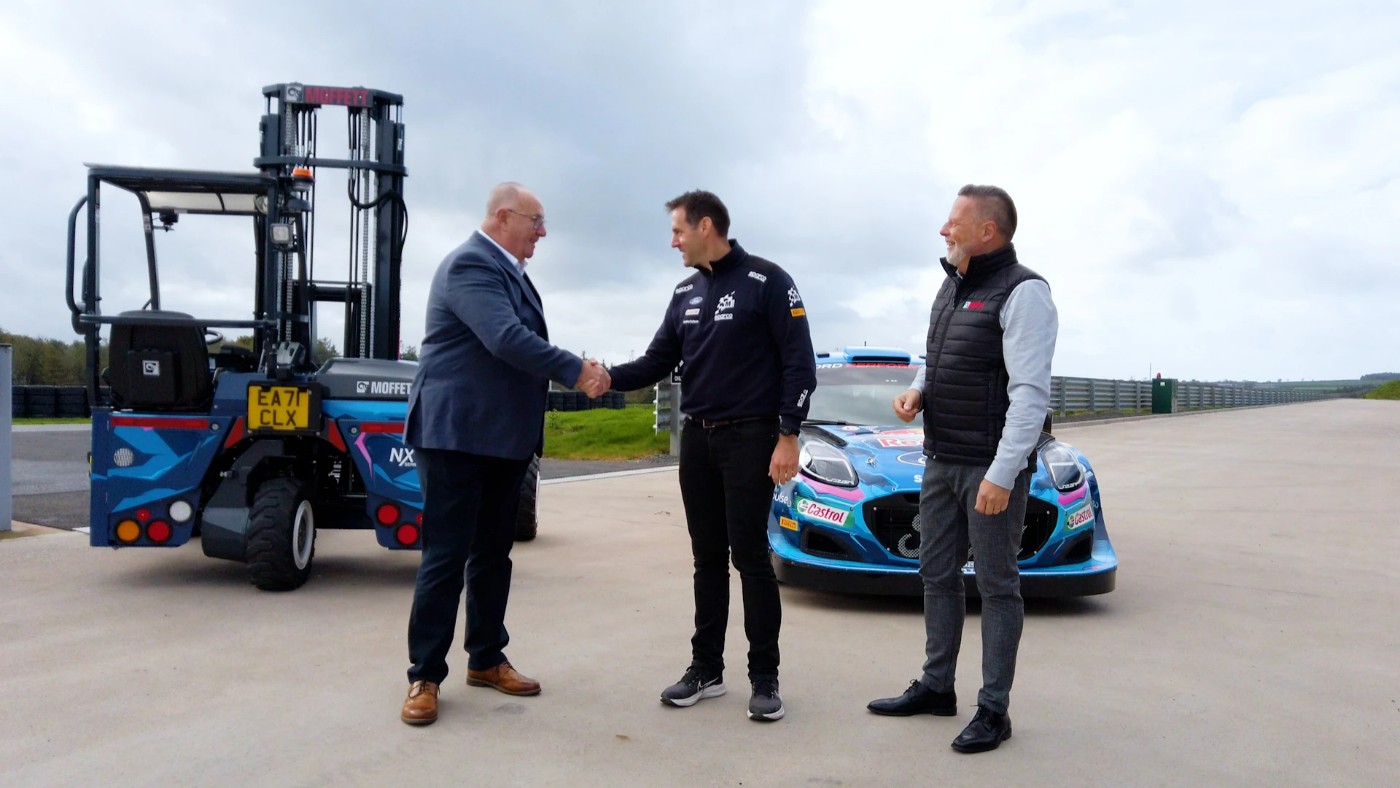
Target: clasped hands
[(593, 380)]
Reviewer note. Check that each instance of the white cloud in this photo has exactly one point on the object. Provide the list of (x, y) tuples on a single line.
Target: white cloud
[(1209, 187)]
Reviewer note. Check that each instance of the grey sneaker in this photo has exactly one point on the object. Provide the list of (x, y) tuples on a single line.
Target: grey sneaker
[(765, 705), (696, 684)]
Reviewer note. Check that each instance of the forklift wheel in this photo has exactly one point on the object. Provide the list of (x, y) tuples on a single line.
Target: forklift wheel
[(281, 536)]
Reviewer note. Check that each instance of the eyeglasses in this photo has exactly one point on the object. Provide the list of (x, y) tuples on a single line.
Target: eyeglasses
[(536, 219)]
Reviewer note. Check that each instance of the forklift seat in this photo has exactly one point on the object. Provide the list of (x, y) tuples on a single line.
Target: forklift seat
[(155, 362)]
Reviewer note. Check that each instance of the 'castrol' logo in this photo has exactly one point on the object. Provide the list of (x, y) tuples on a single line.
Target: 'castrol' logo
[(813, 510)]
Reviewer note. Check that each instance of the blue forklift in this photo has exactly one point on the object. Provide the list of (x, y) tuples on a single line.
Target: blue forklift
[(253, 450)]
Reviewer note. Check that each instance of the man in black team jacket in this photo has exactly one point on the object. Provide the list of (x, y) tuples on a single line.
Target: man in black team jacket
[(740, 326)]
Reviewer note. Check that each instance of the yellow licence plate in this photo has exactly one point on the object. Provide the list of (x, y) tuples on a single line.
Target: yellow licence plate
[(280, 408)]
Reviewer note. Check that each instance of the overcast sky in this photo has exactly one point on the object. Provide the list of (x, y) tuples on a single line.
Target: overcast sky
[(1210, 187)]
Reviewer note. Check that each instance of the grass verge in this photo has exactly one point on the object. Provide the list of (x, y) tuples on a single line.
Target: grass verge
[(626, 434), (1390, 390)]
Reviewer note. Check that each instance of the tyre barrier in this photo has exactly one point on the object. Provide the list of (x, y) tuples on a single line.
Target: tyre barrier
[(72, 402), (41, 402), (577, 400), (50, 402)]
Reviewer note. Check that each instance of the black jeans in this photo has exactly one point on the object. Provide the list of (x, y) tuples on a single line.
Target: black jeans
[(469, 504), (727, 495)]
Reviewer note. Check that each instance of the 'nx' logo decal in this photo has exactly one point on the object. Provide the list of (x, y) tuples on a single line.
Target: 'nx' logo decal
[(402, 456)]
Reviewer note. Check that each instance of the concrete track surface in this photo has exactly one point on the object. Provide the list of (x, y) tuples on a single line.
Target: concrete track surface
[(1252, 640)]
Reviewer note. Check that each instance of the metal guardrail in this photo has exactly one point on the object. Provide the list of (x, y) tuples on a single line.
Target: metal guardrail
[(6, 451), (668, 412), (1072, 396), (1094, 395)]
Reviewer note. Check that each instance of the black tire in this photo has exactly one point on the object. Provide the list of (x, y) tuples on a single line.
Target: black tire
[(281, 536), (527, 523)]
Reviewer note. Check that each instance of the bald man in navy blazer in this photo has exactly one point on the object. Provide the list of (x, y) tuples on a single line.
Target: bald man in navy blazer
[(475, 418)]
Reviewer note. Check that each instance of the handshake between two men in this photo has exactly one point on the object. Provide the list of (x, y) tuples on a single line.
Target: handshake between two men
[(593, 379)]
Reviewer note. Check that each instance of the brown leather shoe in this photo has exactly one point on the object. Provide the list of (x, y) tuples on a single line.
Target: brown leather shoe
[(421, 706), (504, 678)]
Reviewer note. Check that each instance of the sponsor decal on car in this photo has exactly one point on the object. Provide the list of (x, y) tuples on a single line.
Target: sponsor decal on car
[(1078, 518), (901, 441), (814, 510), (912, 458), (788, 523)]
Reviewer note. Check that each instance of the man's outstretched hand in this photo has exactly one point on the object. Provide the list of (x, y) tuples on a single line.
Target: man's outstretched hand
[(594, 379)]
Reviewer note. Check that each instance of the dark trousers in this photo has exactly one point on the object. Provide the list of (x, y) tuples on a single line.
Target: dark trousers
[(469, 505), (950, 524), (727, 495)]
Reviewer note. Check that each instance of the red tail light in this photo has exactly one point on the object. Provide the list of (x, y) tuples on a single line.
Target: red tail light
[(158, 531)]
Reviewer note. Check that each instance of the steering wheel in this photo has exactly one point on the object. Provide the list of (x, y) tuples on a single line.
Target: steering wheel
[(212, 337)]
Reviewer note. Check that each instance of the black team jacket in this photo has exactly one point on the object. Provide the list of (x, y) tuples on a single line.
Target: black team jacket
[(742, 331)]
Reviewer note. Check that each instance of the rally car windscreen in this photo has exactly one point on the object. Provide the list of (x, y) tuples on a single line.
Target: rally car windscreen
[(860, 394)]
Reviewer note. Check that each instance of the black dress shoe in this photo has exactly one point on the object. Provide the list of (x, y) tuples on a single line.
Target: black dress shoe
[(986, 732), (918, 699)]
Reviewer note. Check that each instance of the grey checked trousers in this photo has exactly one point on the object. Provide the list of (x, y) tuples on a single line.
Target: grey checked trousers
[(948, 523)]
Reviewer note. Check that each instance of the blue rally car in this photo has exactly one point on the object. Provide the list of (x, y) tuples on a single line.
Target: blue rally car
[(849, 521)]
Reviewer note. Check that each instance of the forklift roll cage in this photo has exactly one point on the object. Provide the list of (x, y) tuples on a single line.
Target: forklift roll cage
[(280, 199)]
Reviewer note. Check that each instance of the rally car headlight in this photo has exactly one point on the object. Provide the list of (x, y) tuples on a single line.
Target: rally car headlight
[(826, 463), (1065, 470)]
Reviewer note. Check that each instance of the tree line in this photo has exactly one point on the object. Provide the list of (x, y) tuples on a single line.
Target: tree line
[(35, 361), (47, 362)]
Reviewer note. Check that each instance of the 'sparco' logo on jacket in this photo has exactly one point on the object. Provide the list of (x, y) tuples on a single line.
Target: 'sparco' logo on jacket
[(725, 304)]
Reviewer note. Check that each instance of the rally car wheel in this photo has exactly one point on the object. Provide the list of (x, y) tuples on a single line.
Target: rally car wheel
[(526, 520), (281, 536)]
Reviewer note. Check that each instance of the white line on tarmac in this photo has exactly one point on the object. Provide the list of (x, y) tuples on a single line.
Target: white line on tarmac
[(611, 475)]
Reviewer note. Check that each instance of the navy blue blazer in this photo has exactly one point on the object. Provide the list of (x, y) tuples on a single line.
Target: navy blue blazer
[(486, 362)]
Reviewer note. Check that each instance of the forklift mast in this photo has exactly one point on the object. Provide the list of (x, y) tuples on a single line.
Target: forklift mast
[(288, 282)]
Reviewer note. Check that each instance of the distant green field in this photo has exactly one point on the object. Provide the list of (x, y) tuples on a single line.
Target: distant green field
[(625, 434), (1389, 390)]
